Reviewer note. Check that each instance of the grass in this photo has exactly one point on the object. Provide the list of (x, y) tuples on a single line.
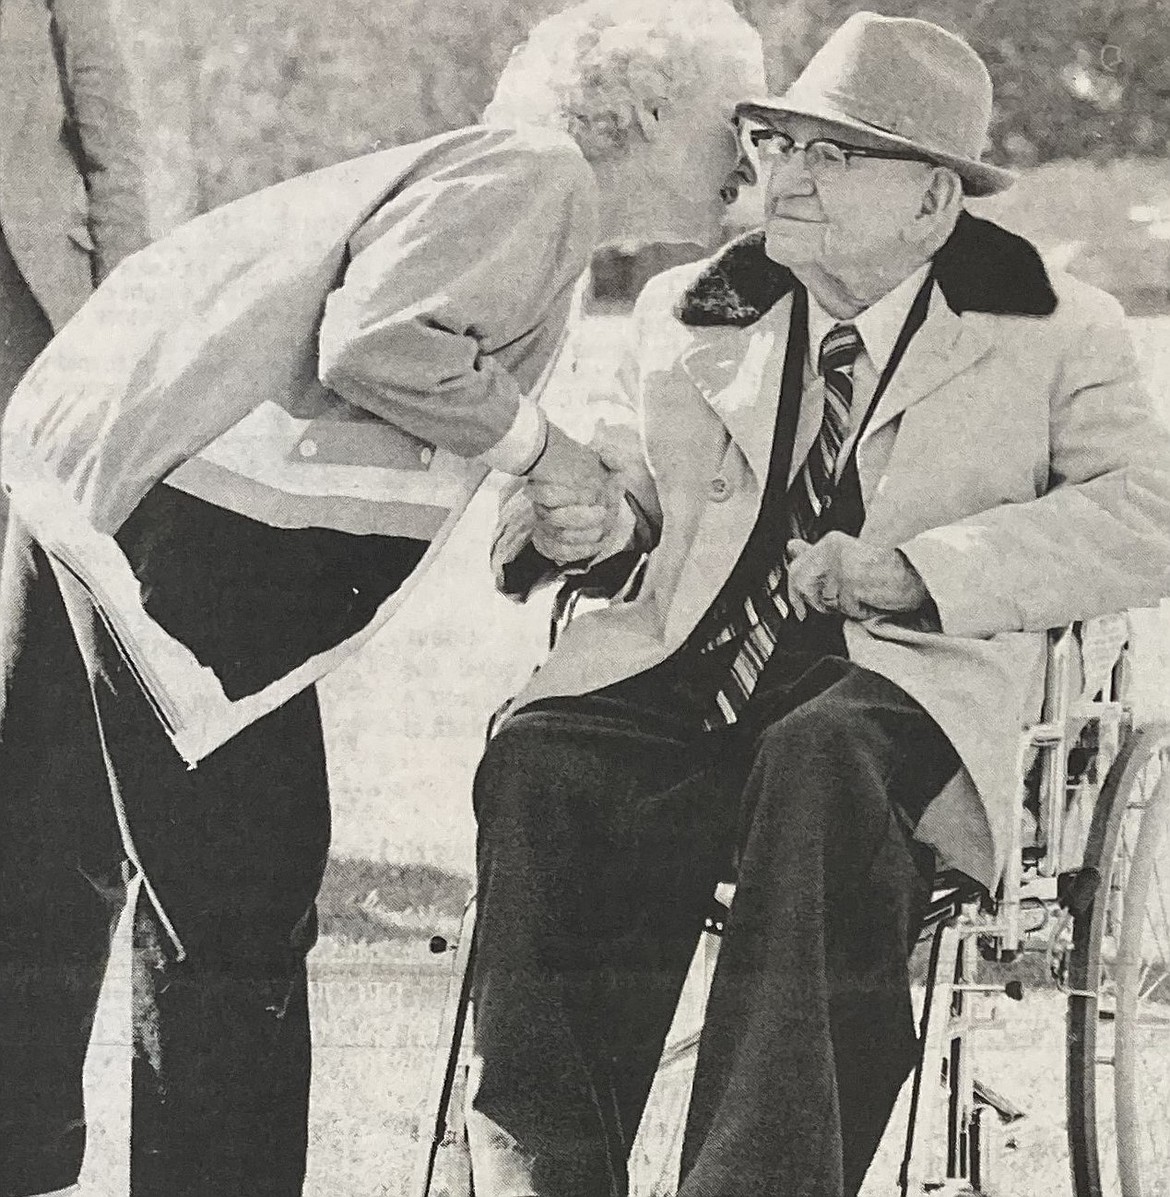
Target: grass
[(376, 1010)]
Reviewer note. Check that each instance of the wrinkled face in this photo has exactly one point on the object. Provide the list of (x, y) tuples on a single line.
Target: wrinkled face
[(692, 164), (844, 219)]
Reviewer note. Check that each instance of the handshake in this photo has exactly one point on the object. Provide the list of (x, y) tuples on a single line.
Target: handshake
[(571, 500)]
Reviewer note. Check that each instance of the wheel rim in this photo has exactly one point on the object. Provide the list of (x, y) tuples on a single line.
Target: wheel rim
[(1120, 1043), (1099, 1133), (1141, 986)]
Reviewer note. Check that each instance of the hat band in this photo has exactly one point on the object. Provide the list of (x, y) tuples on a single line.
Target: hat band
[(847, 108)]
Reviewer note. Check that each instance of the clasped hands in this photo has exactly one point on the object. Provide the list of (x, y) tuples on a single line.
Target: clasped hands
[(575, 495), (841, 574)]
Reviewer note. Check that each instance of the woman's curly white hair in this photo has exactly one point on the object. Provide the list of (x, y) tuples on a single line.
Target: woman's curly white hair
[(598, 70)]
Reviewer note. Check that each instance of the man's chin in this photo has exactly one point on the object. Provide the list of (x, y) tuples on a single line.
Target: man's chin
[(792, 242)]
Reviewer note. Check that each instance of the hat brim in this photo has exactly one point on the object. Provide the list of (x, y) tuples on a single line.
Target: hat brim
[(979, 178)]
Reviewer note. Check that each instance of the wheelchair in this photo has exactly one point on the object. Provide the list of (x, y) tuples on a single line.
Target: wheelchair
[(1086, 892)]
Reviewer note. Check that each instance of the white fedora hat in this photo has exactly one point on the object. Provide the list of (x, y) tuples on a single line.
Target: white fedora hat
[(908, 83)]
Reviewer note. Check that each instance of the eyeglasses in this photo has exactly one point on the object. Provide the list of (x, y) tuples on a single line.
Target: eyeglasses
[(823, 157)]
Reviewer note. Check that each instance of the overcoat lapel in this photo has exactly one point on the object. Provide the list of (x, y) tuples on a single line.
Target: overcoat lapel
[(738, 372), (941, 349), (740, 302)]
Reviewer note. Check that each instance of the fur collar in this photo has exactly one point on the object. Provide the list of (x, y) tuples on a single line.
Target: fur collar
[(981, 268)]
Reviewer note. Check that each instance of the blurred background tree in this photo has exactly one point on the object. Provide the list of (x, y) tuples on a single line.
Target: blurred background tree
[(238, 96), (245, 95), (1073, 78)]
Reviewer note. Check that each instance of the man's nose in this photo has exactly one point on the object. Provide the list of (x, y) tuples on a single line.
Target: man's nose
[(790, 177)]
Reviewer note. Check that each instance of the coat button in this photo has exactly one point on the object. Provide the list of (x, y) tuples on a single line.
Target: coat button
[(426, 455), (307, 447), (719, 490)]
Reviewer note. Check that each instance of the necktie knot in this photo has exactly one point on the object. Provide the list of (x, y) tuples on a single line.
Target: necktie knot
[(839, 350)]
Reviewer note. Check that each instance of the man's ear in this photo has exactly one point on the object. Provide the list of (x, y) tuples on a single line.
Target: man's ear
[(942, 200), (943, 193)]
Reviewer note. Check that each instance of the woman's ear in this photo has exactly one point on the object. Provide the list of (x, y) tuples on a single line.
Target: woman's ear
[(648, 114)]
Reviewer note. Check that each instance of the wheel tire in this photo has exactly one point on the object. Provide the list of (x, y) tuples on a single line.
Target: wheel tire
[(1128, 824)]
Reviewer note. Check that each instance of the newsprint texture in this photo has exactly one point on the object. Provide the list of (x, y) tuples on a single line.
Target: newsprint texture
[(584, 610)]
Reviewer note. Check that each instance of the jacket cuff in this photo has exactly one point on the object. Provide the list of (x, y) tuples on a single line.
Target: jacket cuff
[(961, 578), (516, 450), (521, 575)]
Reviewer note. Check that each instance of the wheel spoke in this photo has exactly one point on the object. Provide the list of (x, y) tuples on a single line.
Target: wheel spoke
[(1147, 951), (1159, 940), (1156, 880), (1145, 990)]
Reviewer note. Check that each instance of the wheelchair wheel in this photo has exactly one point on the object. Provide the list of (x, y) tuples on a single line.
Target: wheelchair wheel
[(1119, 981)]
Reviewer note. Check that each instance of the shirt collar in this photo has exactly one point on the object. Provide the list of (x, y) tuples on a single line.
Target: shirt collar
[(878, 326)]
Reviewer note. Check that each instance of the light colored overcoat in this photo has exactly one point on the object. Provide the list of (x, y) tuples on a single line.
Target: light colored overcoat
[(1015, 459)]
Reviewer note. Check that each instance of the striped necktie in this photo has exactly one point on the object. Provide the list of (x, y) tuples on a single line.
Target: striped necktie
[(765, 609)]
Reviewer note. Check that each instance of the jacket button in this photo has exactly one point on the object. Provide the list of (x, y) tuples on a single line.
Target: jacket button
[(719, 490), (307, 447), (426, 455)]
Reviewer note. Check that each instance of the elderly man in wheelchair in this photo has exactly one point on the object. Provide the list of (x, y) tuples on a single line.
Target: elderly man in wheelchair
[(881, 453)]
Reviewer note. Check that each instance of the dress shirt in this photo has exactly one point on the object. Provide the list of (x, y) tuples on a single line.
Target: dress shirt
[(878, 326)]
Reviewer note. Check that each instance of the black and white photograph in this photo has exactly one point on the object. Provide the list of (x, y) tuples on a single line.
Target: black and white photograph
[(585, 598)]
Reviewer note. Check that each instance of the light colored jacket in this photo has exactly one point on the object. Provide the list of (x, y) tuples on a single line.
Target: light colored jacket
[(72, 190), (1014, 458), (348, 349)]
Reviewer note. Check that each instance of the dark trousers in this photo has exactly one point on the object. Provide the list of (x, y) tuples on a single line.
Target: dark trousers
[(604, 824), (233, 851)]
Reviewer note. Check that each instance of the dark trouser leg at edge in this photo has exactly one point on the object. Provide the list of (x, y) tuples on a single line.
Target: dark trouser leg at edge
[(591, 900), (61, 879), (809, 1031)]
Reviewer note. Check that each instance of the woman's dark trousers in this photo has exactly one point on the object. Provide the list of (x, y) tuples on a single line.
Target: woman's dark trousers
[(233, 853)]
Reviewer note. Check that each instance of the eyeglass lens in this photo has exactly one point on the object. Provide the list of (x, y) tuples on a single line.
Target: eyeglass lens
[(772, 145)]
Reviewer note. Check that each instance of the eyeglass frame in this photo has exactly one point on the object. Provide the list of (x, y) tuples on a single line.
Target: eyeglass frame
[(769, 133)]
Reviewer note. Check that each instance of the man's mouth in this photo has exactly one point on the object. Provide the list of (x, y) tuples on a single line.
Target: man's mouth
[(793, 217), (729, 193)]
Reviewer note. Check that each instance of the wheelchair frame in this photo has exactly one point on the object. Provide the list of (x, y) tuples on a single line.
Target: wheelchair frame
[(1063, 871)]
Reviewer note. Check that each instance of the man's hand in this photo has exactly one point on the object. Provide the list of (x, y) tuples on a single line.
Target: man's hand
[(841, 574), (575, 499), (567, 529)]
